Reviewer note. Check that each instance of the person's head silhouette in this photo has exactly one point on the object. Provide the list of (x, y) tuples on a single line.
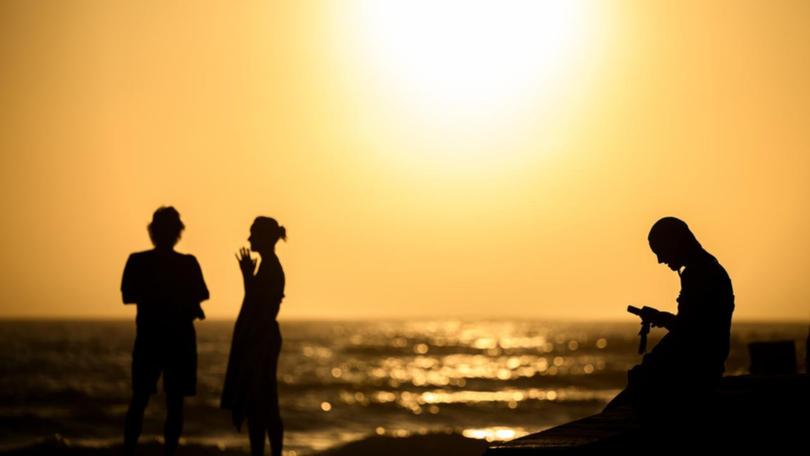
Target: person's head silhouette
[(673, 242), (265, 233), (165, 228)]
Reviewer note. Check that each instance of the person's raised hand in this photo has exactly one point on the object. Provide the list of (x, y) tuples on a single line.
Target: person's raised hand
[(246, 264)]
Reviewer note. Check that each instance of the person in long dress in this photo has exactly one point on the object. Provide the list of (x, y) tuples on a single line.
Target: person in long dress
[(251, 388)]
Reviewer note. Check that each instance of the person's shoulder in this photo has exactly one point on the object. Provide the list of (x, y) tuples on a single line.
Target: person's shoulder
[(187, 256), (713, 266), (708, 268), (142, 255), (138, 263), (188, 259)]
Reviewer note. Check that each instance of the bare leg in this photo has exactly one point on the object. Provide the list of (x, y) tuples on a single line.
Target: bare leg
[(256, 431), (276, 432), (275, 429), (134, 421), (174, 423)]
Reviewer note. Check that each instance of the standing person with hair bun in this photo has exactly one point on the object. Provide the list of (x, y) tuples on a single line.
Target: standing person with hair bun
[(251, 389)]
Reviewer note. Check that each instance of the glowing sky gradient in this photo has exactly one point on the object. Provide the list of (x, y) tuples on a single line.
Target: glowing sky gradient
[(408, 189)]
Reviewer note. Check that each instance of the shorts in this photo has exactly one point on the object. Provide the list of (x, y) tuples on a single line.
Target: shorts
[(170, 353)]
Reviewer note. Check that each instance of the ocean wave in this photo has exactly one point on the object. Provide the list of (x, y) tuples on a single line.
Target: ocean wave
[(338, 382)]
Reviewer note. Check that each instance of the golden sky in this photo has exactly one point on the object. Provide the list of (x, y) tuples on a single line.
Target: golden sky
[(461, 160)]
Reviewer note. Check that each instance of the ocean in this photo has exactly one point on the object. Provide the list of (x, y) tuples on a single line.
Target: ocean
[(338, 381)]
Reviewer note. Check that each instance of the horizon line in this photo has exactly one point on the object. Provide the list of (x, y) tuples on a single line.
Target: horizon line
[(99, 318)]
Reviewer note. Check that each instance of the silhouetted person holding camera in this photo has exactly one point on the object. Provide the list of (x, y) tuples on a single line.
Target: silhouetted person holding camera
[(168, 288), (687, 363), (251, 388)]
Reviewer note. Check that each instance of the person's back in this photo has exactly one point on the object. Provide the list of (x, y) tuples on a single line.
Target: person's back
[(692, 355), (705, 306), (166, 287)]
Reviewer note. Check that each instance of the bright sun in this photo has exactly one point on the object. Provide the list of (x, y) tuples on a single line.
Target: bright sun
[(468, 74), (467, 52)]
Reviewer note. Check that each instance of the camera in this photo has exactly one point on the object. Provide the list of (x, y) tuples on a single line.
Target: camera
[(646, 313), (648, 316)]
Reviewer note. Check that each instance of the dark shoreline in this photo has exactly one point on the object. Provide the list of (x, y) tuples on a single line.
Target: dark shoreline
[(432, 444)]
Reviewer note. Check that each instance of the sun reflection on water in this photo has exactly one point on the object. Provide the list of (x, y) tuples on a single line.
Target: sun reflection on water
[(494, 433), (511, 397)]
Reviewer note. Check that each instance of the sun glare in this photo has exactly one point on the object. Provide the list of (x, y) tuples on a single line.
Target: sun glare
[(464, 56), (468, 74)]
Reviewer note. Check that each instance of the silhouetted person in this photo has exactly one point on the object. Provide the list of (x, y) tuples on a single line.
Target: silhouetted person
[(167, 287), (251, 388), (687, 363)]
